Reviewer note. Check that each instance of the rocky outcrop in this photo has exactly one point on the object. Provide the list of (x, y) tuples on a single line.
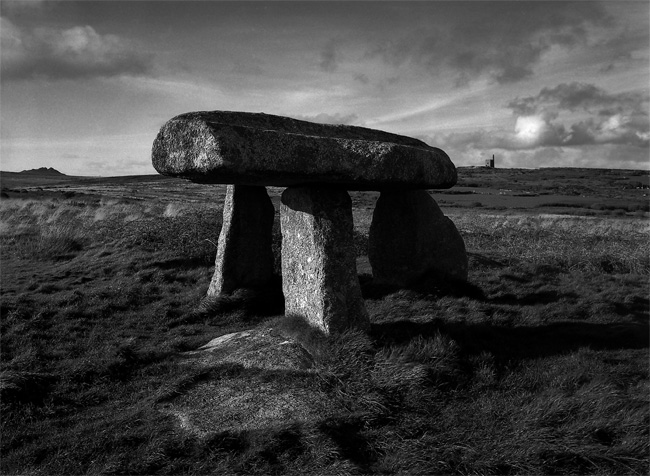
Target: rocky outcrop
[(319, 275), (244, 397), (410, 237)]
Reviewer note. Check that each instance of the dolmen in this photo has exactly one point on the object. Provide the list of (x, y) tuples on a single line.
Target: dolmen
[(318, 164)]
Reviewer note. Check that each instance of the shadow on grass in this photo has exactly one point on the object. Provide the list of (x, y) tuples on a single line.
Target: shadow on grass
[(429, 286), (266, 301), (183, 263), (250, 305), (482, 260), (352, 444), (639, 308), (24, 387), (519, 342), (532, 299)]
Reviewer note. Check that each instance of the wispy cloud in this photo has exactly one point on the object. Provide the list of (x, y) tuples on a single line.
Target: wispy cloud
[(328, 57), (493, 39), (77, 52), (336, 118)]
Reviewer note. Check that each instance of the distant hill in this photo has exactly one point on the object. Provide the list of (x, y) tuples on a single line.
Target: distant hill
[(48, 171), (50, 177), (33, 178)]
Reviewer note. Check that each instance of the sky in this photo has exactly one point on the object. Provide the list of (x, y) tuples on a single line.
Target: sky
[(86, 85)]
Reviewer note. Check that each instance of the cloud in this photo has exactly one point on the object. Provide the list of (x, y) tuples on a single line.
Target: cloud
[(602, 117), (336, 118), (78, 52), (568, 116), (18, 5), (478, 140), (116, 167), (328, 57), (600, 155), (625, 50), (579, 96), (501, 40), (362, 78), (571, 124)]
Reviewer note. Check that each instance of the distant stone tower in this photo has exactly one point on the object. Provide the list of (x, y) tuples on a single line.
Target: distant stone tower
[(490, 162)]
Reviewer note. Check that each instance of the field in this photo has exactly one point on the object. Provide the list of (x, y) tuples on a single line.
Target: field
[(538, 365)]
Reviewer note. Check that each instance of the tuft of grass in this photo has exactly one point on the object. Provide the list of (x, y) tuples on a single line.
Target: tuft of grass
[(59, 241), (24, 387), (421, 361), (192, 234), (173, 210), (46, 231)]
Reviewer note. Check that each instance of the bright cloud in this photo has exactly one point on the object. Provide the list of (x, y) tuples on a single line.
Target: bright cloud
[(529, 128)]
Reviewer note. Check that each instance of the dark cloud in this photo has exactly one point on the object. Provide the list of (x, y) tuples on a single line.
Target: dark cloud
[(328, 57), (504, 40), (612, 131), (579, 96), (362, 78), (618, 52), (78, 52)]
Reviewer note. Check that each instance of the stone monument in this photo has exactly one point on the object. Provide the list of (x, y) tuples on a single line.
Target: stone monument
[(318, 163)]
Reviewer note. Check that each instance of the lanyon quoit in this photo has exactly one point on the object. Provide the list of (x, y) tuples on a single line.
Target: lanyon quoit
[(318, 163)]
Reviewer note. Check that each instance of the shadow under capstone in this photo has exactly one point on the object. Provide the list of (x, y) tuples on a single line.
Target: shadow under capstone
[(521, 342)]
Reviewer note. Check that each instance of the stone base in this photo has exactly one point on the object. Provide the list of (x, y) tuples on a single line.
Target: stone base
[(319, 276), (244, 252), (410, 237)]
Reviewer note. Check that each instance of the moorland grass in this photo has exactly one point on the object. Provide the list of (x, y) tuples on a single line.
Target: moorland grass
[(538, 366), (569, 242)]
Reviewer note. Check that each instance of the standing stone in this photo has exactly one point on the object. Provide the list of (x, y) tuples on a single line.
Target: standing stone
[(319, 275), (244, 252), (410, 237)]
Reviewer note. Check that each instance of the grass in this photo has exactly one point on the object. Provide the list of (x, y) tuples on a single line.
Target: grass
[(538, 366), (569, 242)]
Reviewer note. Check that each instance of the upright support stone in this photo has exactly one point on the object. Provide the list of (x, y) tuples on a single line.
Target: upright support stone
[(319, 275), (244, 253), (410, 237)]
